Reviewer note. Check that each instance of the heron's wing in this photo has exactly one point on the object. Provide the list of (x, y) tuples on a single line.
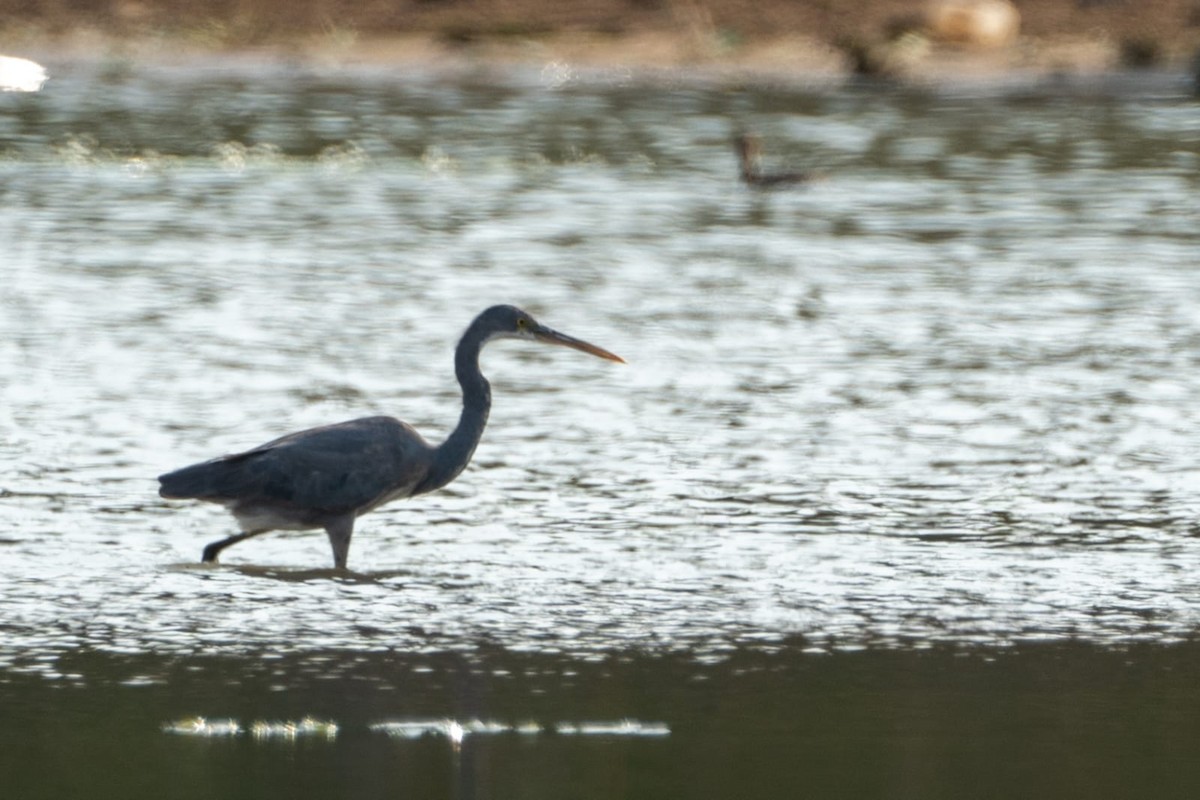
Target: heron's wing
[(333, 469)]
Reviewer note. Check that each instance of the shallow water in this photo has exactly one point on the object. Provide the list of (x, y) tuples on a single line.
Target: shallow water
[(941, 400)]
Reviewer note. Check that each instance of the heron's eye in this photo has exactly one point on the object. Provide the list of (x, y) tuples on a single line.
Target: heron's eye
[(522, 323)]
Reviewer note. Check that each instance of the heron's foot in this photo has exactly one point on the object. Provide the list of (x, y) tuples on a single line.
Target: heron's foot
[(213, 550)]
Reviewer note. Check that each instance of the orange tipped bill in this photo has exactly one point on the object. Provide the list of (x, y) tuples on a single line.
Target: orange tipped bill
[(551, 336)]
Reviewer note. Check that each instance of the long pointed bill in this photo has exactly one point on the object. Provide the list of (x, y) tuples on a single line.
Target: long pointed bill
[(551, 336)]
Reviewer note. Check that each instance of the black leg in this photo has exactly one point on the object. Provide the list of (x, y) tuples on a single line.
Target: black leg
[(213, 550)]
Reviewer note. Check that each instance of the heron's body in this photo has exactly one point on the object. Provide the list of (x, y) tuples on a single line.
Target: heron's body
[(327, 477), (309, 479)]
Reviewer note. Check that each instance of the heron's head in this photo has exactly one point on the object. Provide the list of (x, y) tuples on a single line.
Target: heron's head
[(511, 322)]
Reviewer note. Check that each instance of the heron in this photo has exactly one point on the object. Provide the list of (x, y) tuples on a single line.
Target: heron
[(749, 148), (327, 477)]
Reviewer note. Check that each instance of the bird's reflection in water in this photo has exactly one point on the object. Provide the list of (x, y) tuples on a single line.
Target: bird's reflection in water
[(299, 574)]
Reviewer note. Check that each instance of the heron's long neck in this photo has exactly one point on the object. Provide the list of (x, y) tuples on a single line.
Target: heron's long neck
[(453, 455)]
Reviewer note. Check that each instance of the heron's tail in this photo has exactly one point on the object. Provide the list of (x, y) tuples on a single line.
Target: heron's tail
[(193, 481), (220, 477)]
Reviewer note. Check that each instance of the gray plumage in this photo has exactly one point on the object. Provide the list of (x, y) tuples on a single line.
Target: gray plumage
[(327, 477)]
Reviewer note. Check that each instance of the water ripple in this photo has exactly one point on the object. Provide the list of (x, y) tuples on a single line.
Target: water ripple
[(943, 397)]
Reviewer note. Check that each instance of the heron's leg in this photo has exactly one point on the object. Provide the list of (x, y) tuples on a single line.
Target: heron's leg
[(213, 550), (340, 530)]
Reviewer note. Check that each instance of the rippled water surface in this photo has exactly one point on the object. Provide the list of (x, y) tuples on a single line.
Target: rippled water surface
[(943, 399)]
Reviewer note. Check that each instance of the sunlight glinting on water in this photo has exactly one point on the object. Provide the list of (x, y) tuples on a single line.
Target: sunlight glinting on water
[(942, 396)]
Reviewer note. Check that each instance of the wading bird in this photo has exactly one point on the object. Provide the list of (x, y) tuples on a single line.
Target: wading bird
[(749, 148), (326, 477)]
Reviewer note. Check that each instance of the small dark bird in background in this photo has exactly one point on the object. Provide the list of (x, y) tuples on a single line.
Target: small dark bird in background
[(749, 150), (327, 477), (1196, 74)]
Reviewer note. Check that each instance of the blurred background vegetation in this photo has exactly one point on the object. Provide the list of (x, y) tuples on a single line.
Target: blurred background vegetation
[(1133, 34)]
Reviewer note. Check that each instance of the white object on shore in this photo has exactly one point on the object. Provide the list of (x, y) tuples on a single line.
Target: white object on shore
[(21, 75), (973, 23)]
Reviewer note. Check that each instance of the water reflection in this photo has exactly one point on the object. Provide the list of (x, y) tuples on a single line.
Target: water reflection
[(456, 731)]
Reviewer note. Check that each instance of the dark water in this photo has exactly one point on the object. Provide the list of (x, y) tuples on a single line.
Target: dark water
[(896, 497), (1058, 720)]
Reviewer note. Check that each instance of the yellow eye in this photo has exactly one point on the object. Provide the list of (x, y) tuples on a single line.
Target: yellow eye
[(521, 323)]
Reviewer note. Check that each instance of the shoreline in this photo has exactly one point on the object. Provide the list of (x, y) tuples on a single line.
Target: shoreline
[(921, 41), (570, 55)]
